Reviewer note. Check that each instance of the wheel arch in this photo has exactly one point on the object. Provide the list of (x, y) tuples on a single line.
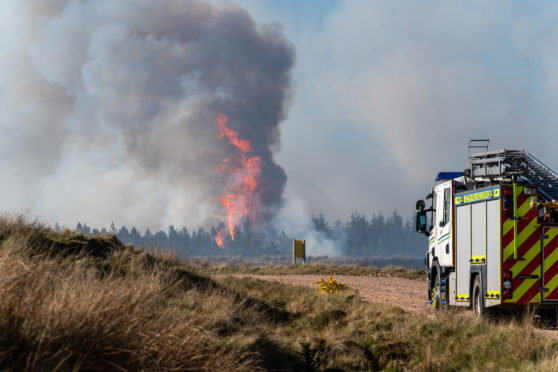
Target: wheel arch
[(480, 272), (434, 269)]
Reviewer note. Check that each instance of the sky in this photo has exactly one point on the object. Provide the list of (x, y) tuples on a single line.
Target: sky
[(384, 95)]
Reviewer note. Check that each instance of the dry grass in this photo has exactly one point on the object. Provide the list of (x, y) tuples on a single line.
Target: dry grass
[(208, 267), (121, 313), (342, 332), (69, 302)]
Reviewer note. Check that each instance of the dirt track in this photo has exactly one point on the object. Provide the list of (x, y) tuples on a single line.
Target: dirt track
[(407, 294)]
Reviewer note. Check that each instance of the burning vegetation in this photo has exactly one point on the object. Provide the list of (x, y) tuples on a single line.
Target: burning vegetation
[(242, 196)]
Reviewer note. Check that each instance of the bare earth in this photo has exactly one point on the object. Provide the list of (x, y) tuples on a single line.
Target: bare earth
[(408, 294)]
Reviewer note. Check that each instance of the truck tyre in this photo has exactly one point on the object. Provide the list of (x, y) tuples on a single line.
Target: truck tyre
[(478, 300), (436, 296)]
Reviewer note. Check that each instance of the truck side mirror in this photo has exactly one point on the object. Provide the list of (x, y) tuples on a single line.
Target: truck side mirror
[(420, 205), (421, 222)]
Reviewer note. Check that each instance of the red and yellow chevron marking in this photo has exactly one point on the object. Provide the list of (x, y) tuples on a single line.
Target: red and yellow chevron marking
[(528, 260), (551, 263)]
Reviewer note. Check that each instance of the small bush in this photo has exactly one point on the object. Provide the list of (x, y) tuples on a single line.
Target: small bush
[(330, 286)]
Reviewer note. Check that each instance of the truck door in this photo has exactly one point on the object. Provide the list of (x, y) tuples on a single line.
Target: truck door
[(444, 239), (443, 224), (433, 228), (549, 246)]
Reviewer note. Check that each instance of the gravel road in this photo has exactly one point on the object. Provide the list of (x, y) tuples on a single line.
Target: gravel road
[(408, 294)]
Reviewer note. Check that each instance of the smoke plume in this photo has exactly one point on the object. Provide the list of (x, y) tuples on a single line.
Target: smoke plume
[(107, 107)]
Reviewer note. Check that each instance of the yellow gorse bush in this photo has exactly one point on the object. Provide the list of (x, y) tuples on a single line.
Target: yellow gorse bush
[(330, 286)]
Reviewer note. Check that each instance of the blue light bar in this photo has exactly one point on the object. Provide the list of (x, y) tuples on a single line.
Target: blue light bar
[(444, 176)]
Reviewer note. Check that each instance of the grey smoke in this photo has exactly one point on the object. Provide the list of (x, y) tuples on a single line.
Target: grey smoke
[(107, 107), (389, 92)]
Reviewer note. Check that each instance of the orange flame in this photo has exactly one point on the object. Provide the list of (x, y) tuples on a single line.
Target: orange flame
[(242, 198)]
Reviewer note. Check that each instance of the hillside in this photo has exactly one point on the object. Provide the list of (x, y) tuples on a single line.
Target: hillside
[(75, 302)]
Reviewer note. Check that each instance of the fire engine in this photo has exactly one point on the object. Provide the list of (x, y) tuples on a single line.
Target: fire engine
[(493, 233)]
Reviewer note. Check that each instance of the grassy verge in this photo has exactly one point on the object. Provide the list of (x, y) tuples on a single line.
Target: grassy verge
[(70, 302), (208, 267)]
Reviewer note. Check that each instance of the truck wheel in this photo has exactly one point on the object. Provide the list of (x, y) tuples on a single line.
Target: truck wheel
[(478, 301), (436, 296)]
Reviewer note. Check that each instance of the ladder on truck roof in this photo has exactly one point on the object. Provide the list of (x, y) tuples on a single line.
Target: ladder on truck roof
[(507, 163)]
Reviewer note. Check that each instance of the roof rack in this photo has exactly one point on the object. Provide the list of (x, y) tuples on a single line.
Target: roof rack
[(515, 163)]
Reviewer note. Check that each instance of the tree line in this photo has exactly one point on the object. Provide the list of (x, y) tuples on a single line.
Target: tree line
[(360, 236)]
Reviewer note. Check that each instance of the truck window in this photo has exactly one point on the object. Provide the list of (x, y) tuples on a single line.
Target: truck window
[(434, 206), (447, 203)]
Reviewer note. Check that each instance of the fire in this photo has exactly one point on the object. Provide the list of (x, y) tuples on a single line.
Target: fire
[(242, 197)]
